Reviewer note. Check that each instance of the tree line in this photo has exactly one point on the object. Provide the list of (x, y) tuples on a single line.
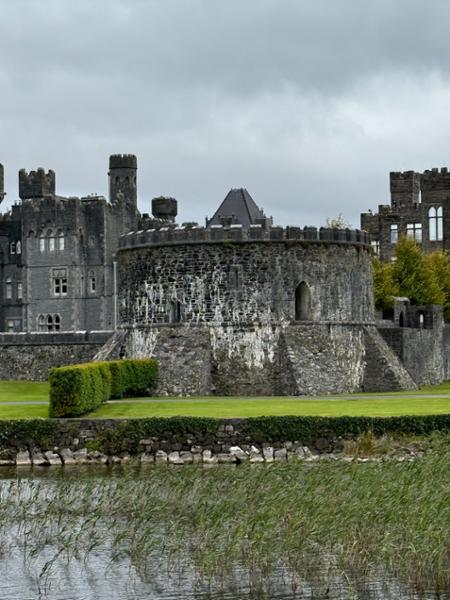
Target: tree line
[(424, 279)]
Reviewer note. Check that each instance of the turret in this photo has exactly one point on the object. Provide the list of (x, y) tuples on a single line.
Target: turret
[(122, 178), (405, 188), (36, 184), (165, 209)]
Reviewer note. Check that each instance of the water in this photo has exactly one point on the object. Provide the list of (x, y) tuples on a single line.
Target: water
[(29, 569)]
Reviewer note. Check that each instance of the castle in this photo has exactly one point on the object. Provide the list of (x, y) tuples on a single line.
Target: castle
[(418, 209), (238, 306)]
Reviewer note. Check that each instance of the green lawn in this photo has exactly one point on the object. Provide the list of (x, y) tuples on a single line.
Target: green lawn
[(24, 393), (253, 407)]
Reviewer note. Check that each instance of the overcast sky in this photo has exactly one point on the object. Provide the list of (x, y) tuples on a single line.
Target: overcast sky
[(307, 104)]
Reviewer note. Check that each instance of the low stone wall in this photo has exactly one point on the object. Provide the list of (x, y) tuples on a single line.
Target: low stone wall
[(423, 352), (187, 440), (30, 356)]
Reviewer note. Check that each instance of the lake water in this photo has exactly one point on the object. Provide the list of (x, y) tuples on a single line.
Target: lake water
[(96, 576)]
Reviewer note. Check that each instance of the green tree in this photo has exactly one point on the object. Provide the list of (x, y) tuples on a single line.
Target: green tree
[(413, 277), (439, 263), (383, 285)]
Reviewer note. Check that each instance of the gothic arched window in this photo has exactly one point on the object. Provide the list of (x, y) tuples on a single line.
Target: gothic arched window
[(435, 226), (42, 325), (61, 240)]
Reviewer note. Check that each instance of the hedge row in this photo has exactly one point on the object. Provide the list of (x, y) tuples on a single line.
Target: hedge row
[(78, 389), (122, 435)]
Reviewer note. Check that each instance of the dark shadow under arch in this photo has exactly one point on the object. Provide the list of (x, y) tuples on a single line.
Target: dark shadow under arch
[(401, 320)]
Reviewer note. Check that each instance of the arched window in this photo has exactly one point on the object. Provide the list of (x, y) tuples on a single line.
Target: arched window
[(42, 325), (57, 322), (421, 320), (49, 323), (435, 226), (12, 248), (175, 312), (8, 288), (61, 241), (51, 241), (303, 302), (42, 242), (19, 247)]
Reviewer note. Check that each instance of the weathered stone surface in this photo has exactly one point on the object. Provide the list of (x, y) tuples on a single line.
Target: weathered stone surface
[(208, 458), (53, 458), (160, 457), (174, 458), (187, 457), (39, 459), (280, 454), (268, 454), (23, 459), (81, 456), (67, 457)]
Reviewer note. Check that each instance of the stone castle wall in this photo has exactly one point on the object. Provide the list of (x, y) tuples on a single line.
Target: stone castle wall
[(236, 282)]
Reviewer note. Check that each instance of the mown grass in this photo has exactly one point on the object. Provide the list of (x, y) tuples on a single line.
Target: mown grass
[(253, 407), (24, 392), (325, 523)]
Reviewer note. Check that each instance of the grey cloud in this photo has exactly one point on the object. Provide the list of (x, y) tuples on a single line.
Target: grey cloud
[(307, 104)]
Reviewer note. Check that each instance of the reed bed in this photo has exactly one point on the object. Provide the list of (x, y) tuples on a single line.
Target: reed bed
[(320, 523)]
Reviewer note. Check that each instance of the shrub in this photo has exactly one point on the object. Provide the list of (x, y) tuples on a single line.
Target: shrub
[(79, 389)]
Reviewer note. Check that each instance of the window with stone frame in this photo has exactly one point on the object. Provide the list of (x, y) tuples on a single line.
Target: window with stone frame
[(375, 247), (18, 247), (435, 225), (59, 282), (414, 232), (19, 290), (61, 241), (394, 233), (42, 243), (12, 248)]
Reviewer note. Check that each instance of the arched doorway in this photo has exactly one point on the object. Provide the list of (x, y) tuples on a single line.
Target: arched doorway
[(302, 302), (401, 320)]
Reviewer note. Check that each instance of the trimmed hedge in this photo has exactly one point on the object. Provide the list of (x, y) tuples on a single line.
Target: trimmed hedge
[(78, 389)]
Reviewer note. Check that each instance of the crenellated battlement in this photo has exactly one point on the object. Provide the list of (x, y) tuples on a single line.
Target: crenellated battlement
[(122, 161), (236, 233), (36, 184)]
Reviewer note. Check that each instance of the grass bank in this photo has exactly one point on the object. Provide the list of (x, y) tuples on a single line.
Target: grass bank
[(326, 524)]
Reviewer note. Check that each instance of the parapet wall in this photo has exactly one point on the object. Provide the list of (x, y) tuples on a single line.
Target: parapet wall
[(236, 233)]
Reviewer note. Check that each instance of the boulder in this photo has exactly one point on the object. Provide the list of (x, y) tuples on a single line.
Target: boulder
[(53, 458), (23, 459), (174, 458)]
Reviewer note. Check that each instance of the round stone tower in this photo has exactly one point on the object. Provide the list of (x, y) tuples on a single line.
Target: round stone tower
[(123, 178)]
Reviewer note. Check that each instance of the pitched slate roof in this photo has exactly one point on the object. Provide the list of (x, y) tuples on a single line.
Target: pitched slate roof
[(240, 206)]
